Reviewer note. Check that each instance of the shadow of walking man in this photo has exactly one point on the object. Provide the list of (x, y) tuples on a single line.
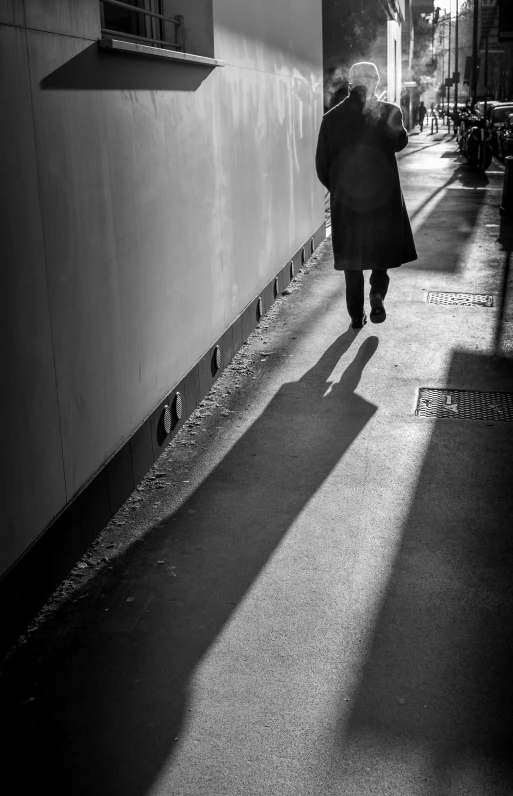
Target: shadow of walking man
[(114, 688)]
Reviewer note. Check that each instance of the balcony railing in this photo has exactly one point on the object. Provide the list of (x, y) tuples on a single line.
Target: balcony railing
[(158, 30)]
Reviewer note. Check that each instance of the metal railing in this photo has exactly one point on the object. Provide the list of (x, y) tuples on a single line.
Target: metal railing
[(177, 21)]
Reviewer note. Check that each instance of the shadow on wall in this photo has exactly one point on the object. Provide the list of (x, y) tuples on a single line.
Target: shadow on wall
[(111, 691), (433, 710), (94, 70)]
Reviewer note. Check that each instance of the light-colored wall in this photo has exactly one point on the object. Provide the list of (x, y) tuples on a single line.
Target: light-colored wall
[(399, 50), (139, 223), (393, 61)]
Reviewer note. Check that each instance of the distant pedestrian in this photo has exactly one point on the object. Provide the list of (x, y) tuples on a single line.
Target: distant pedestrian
[(422, 115), (356, 162), (434, 117)]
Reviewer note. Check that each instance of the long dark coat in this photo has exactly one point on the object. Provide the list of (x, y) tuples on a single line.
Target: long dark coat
[(356, 162)]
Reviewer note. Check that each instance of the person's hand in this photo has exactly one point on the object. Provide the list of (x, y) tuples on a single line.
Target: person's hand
[(395, 130), (394, 124)]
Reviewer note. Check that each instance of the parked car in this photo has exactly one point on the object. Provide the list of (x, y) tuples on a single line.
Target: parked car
[(497, 118), (505, 138), (480, 106)]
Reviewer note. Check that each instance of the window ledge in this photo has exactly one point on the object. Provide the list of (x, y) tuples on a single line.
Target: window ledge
[(120, 46)]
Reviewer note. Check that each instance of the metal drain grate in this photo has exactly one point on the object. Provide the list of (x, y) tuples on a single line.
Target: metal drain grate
[(460, 299), (465, 404)]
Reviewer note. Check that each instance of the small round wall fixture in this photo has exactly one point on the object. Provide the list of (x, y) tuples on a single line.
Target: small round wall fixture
[(178, 406), (260, 308), (276, 287), (217, 356), (166, 418), (292, 269), (312, 246)]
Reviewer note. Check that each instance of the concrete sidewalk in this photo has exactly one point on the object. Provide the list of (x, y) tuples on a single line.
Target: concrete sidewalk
[(311, 593)]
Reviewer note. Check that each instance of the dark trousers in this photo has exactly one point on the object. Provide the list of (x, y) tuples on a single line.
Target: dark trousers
[(355, 283)]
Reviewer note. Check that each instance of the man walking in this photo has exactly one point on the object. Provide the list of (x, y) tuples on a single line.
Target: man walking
[(356, 162), (422, 115)]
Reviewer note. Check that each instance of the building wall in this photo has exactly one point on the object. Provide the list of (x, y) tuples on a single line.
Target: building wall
[(400, 47), (147, 203), (394, 74)]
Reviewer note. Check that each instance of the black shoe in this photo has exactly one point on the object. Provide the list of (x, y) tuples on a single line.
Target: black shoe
[(378, 312), (358, 323)]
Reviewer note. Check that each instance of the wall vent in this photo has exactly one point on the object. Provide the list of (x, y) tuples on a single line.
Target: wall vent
[(178, 406), (167, 419)]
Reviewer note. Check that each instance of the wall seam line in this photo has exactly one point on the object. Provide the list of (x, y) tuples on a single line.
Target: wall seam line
[(220, 203), (51, 32), (45, 267), (260, 71)]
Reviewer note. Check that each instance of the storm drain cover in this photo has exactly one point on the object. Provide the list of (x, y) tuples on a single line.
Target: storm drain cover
[(465, 404), (460, 299)]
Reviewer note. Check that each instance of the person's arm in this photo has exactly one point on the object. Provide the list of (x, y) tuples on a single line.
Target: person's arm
[(396, 129), (322, 160)]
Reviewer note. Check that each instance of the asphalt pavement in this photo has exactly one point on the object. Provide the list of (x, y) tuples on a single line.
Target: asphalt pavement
[(311, 592)]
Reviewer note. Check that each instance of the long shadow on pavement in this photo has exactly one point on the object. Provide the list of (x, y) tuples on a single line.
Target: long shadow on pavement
[(505, 314), (416, 150), (111, 692), (433, 711), (443, 236)]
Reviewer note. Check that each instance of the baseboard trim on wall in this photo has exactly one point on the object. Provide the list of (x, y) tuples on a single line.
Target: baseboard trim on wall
[(31, 580)]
